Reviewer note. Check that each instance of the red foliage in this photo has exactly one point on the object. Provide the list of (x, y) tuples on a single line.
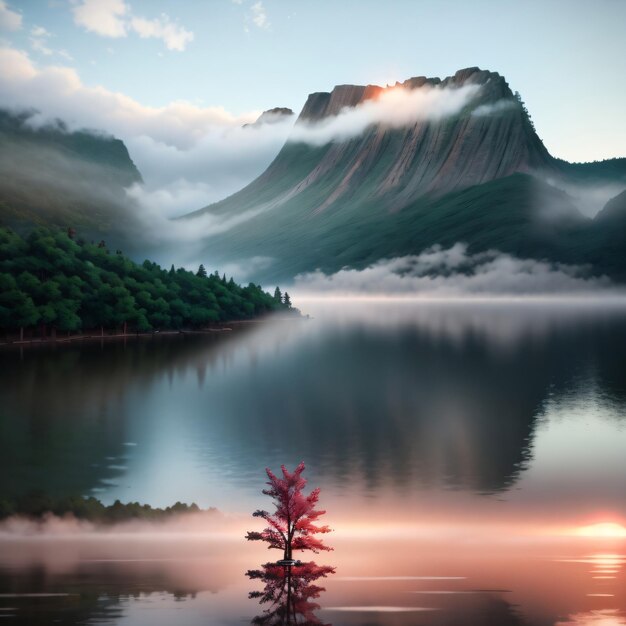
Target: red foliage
[(293, 525), (290, 593)]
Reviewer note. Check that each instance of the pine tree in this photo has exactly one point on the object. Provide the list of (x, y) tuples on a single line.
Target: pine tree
[(278, 296), (287, 300), (201, 271)]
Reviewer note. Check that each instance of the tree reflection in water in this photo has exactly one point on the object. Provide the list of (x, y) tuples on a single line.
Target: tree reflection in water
[(289, 593)]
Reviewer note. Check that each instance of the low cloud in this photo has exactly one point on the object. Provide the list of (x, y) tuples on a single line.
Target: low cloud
[(589, 198), (494, 108), (9, 19), (451, 272), (395, 108), (221, 162), (158, 227), (114, 18)]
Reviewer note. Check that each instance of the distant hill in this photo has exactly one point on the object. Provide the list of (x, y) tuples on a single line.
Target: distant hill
[(50, 176), (481, 175), (271, 116)]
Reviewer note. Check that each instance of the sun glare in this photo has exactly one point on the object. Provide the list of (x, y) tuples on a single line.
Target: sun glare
[(609, 530)]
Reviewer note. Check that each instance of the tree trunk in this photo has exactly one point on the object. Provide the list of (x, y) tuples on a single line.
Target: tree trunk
[(101, 331), (289, 606), (125, 327), (21, 333)]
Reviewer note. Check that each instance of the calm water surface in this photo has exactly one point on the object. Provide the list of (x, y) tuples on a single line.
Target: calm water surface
[(460, 448)]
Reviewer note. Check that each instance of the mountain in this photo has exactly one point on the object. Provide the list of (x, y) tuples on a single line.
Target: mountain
[(480, 175), (271, 116), (52, 176)]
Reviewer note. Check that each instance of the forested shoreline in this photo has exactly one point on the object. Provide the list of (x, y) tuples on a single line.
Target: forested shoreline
[(37, 505), (51, 281)]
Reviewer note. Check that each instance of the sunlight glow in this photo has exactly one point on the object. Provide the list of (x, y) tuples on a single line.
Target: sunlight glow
[(609, 530)]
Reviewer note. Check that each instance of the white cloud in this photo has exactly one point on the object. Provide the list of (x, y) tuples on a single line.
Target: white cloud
[(180, 124), (160, 229), (39, 45), (114, 18), (15, 68), (439, 272), (174, 36), (103, 17), (39, 31), (259, 15), (9, 19), (395, 108), (220, 162), (188, 155), (171, 198), (38, 40)]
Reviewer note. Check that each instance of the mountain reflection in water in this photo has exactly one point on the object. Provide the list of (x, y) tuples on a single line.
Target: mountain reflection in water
[(394, 397)]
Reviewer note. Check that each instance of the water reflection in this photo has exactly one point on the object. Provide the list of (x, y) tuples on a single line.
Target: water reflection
[(422, 397), (161, 577), (290, 593)]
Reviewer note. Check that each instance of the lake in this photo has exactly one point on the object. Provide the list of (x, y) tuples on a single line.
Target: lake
[(471, 457)]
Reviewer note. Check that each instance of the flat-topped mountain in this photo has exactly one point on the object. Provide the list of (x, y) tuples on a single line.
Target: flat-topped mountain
[(374, 172)]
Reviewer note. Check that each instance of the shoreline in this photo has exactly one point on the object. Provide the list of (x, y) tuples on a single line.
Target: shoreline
[(227, 326), (77, 338)]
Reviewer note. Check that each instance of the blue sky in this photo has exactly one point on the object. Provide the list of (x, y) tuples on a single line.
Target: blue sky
[(229, 59)]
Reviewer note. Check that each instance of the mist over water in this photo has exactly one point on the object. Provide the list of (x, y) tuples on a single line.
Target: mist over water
[(458, 446)]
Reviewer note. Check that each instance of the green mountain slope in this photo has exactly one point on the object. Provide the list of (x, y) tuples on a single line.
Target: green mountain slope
[(518, 214), (51, 176)]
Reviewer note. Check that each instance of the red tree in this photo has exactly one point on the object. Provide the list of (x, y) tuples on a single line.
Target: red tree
[(293, 525)]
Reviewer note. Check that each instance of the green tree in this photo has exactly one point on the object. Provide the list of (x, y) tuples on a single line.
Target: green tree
[(16, 308), (51, 280)]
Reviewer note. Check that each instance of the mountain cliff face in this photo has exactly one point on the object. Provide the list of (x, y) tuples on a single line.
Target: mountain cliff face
[(431, 157), (350, 200), (51, 176)]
